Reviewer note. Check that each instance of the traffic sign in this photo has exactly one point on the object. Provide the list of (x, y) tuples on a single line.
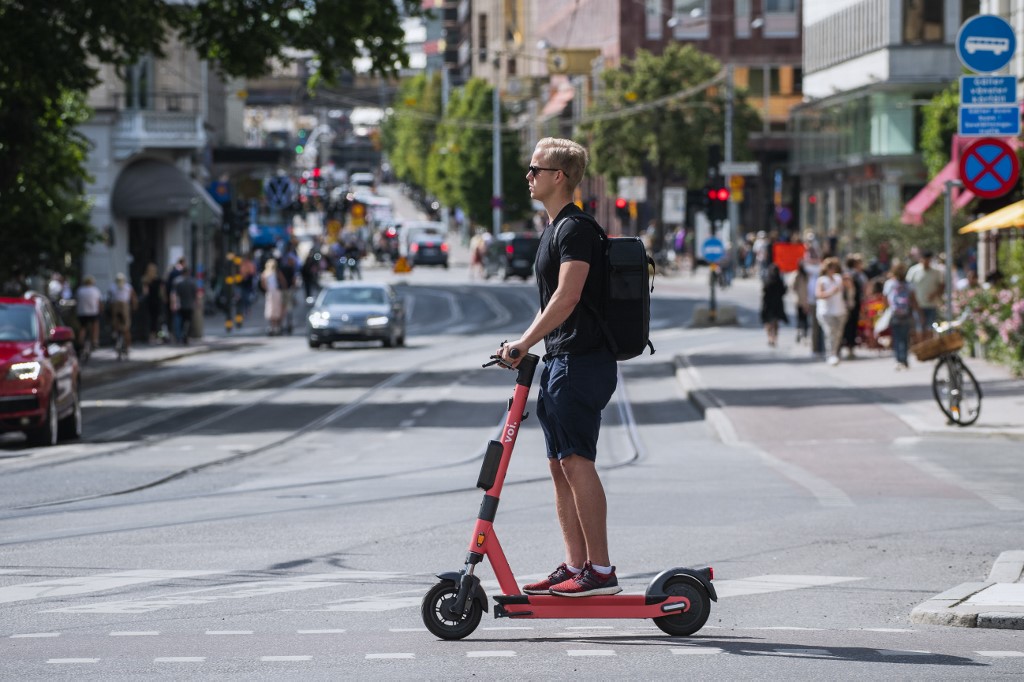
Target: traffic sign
[(987, 90), (989, 168), (633, 188), (739, 168), (985, 43), (989, 121), (712, 250)]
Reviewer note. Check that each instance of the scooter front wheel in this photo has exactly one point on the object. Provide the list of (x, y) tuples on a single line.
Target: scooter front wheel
[(689, 622), (441, 619)]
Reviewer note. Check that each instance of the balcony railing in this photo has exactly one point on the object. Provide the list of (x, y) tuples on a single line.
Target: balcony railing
[(172, 121)]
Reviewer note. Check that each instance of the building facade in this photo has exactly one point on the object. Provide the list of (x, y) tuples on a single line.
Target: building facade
[(869, 67)]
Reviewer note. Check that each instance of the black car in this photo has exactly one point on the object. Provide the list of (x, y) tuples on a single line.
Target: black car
[(357, 311), (511, 254), (428, 249)]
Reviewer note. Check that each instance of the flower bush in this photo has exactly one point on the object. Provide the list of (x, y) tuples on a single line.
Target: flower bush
[(995, 321)]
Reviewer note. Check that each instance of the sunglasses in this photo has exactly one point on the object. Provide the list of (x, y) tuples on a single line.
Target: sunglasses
[(534, 170)]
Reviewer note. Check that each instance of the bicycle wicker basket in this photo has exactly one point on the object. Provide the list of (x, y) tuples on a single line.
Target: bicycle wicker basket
[(929, 349)]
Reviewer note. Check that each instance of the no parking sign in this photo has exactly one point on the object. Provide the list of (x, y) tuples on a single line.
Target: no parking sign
[(989, 168)]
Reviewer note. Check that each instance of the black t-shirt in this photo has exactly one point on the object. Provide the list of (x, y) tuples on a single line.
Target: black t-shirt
[(576, 240)]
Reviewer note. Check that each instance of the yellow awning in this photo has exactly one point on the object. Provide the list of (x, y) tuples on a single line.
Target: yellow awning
[(1008, 216)]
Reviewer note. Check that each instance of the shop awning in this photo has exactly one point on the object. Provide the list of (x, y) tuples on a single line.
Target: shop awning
[(1008, 216), (156, 189), (913, 212), (557, 101)]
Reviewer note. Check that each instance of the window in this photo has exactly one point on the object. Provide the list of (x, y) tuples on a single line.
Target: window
[(781, 18), (691, 18), (482, 36), (922, 21), (653, 19), (742, 11)]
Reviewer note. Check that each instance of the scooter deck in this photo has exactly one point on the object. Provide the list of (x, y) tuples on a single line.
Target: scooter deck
[(600, 606)]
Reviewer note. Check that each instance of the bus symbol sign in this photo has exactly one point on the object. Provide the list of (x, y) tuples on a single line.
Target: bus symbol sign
[(985, 43)]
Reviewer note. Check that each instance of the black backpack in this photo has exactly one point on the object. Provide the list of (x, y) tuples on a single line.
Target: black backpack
[(626, 300)]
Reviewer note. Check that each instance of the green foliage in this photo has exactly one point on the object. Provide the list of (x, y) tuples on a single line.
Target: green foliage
[(938, 127), (1011, 260), (451, 155), (668, 139), (49, 57), (875, 234)]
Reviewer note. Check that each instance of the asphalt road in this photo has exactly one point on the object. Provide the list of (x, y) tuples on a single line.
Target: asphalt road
[(276, 512)]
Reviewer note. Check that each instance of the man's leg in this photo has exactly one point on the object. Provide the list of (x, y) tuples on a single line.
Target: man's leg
[(568, 517), (591, 507)]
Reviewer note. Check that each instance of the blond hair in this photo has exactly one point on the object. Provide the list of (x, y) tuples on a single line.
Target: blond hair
[(568, 156)]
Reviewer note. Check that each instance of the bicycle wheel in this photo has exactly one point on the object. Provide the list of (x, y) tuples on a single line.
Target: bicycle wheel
[(956, 390)]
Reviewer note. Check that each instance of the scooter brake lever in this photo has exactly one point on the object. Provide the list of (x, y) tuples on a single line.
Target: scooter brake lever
[(496, 360)]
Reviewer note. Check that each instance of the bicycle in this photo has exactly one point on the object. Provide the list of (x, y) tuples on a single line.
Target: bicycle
[(953, 385)]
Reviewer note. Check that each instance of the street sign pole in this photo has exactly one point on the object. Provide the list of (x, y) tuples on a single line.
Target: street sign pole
[(948, 229)]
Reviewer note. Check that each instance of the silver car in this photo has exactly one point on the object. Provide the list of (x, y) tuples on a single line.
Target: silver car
[(357, 311)]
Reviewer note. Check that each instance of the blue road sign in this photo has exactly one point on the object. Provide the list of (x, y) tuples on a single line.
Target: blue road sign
[(278, 191), (985, 43), (987, 90), (712, 249), (1001, 121)]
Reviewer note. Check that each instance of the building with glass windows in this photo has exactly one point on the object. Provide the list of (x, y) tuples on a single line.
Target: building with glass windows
[(869, 67)]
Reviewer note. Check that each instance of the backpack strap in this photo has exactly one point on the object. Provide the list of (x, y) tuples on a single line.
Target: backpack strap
[(601, 321)]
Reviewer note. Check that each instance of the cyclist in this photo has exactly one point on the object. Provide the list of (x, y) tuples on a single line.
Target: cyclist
[(123, 303), (90, 305)]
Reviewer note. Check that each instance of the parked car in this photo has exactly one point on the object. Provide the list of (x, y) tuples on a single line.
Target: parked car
[(357, 311), (511, 254), (39, 372), (428, 249)]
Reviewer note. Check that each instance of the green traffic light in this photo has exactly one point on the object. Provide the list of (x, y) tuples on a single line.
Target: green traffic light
[(298, 149)]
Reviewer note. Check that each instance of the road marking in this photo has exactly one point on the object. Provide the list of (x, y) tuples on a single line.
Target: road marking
[(72, 660), (696, 651), (765, 584), (179, 659), (881, 630), (985, 492), (229, 632), (285, 658), (362, 604), (66, 587), (141, 633), (35, 634), (590, 652), (805, 653), (903, 652), (490, 654), (240, 590), (319, 632), (1000, 654), (389, 656), (828, 495)]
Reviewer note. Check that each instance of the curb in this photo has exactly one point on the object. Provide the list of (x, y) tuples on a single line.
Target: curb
[(952, 608), (709, 406), (111, 370)]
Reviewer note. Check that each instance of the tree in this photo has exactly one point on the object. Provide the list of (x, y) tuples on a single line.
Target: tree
[(409, 133), (938, 127), (641, 125), (49, 58)]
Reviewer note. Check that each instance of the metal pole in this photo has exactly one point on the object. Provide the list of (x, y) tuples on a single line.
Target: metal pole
[(732, 207), (948, 229), (496, 188)]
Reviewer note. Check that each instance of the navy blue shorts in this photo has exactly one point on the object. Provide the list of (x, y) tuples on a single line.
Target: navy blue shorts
[(573, 391)]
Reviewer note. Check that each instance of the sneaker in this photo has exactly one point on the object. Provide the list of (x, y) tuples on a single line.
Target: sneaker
[(587, 583), (559, 575), (833, 360)]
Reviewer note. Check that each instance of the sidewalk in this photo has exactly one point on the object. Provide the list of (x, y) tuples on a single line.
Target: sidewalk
[(727, 392)]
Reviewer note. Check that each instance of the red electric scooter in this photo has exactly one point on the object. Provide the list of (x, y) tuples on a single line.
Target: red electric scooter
[(678, 599)]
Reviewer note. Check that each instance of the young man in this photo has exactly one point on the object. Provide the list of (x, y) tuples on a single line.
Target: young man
[(579, 374)]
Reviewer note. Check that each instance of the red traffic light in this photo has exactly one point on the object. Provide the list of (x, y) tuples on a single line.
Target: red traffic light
[(620, 203), (722, 194)]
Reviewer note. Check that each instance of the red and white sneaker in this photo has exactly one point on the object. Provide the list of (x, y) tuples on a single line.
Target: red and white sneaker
[(559, 575), (587, 583)]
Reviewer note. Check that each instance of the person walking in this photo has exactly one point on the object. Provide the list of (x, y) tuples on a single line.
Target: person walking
[(273, 284), (154, 297), (854, 300), (801, 289), (123, 302), (184, 304), (773, 307), (830, 305), (903, 304), (90, 306), (580, 371), (929, 284)]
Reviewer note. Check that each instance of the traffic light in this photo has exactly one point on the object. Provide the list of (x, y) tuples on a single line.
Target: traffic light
[(718, 202), (622, 209)]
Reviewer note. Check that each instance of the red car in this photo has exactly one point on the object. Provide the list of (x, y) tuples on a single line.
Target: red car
[(39, 372)]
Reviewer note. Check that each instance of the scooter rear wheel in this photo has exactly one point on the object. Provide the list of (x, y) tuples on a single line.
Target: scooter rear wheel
[(439, 618), (685, 624)]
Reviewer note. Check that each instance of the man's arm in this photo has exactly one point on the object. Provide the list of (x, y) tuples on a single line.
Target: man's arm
[(572, 275)]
